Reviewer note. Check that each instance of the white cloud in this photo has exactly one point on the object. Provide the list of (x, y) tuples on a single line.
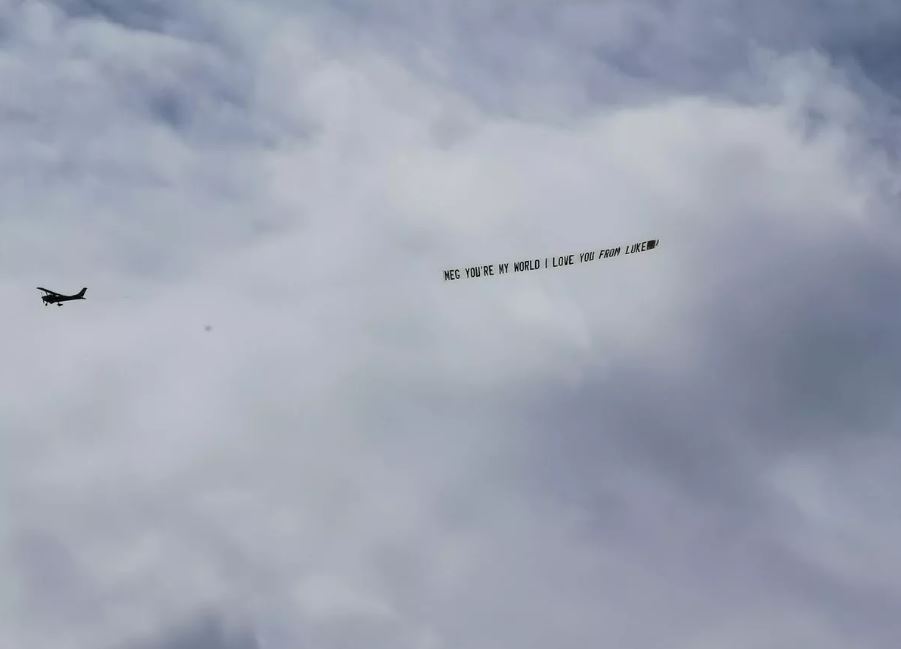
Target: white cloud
[(359, 452)]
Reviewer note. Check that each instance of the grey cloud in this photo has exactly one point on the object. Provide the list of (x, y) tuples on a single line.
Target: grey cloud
[(575, 56), (143, 15), (207, 631)]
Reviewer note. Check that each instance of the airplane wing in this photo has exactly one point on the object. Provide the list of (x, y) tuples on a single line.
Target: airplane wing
[(48, 291)]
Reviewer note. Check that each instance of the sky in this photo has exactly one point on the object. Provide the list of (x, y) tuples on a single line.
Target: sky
[(272, 424)]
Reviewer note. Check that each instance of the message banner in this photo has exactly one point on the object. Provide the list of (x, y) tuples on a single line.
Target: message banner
[(559, 261)]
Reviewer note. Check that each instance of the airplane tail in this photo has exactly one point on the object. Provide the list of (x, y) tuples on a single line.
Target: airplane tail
[(82, 292)]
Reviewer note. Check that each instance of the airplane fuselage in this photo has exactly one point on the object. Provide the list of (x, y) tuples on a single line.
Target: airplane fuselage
[(54, 299)]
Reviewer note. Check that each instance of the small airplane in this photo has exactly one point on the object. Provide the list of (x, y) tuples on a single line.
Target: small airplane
[(52, 297)]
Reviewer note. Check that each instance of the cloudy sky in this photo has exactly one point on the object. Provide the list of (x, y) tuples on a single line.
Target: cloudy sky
[(692, 448)]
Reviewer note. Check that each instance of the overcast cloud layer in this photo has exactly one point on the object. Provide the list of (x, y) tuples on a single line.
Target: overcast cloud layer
[(691, 448)]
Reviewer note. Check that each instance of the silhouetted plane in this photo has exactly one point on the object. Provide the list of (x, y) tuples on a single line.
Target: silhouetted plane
[(51, 297)]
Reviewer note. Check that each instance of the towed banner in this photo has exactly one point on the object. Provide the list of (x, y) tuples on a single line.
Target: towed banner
[(560, 261)]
